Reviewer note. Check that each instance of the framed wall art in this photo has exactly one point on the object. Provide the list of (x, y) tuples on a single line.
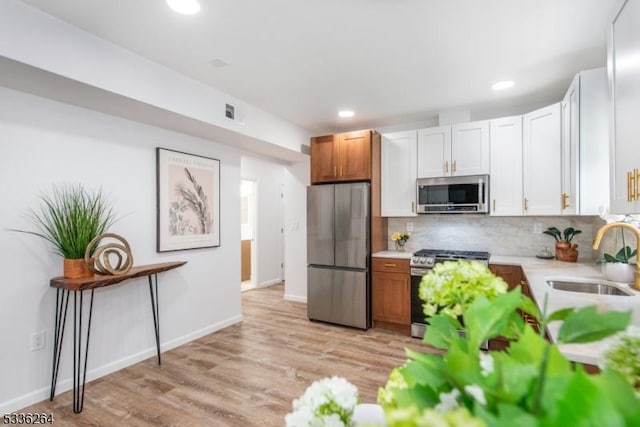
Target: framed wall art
[(188, 201)]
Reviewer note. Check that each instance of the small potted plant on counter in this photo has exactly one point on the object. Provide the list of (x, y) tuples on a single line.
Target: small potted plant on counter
[(618, 268), (565, 250)]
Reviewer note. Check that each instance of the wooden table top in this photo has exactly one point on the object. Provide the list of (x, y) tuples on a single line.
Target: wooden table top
[(98, 280)]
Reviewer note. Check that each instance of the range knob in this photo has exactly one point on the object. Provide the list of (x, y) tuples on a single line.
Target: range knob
[(423, 260)]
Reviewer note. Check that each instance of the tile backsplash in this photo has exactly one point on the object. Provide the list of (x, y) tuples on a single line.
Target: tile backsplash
[(496, 235)]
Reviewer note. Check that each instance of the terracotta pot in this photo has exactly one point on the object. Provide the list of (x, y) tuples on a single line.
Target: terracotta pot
[(567, 252), (76, 269)]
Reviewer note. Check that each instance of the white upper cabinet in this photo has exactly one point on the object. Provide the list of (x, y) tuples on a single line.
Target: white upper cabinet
[(541, 161), (398, 170), (505, 178), (570, 107), (470, 148), (593, 181), (623, 69), (457, 150), (434, 152)]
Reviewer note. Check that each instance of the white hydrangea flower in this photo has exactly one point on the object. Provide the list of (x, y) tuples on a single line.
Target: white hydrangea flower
[(476, 392), (448, 401), (333, 394), (486, 364)]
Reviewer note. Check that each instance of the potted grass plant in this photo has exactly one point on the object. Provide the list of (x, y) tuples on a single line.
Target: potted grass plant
[(70, 218)]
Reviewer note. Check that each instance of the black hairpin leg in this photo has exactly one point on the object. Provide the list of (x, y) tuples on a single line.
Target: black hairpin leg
[(62, 302), (153, 282), (80, 375)]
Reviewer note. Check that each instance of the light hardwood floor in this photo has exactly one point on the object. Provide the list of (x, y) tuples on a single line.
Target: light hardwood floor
[(245, 375)]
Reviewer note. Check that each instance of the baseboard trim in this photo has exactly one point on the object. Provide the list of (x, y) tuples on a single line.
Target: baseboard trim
[(295, 298), (63, 385), (269, 283)]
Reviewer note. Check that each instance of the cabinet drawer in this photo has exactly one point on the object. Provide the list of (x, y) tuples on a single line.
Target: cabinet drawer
[(391, 265)]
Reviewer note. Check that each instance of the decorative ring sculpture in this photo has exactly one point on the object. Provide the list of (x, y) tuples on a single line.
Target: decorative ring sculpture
[(102, 255)]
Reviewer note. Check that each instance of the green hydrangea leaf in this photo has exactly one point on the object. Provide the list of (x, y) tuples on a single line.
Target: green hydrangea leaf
[(514, 380), (462, 367), (584, 403), (586, 325), (528, 306), (487, 319), (430, 373), (512, 415), (441, 331), (560, 314), (621, 394)]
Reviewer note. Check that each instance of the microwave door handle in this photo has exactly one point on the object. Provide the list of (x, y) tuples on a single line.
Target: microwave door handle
[(480, 192)]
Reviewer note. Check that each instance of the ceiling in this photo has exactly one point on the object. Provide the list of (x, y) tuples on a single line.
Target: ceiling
[(393, 62)]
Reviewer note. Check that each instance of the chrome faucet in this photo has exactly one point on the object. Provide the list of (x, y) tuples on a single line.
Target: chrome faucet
[(601, 232)]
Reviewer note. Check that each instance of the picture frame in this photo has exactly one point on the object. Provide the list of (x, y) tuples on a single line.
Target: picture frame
[(188, 201)]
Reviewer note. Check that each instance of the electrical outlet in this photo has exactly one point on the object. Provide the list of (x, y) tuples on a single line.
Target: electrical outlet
[(410, 227), (537, 228), (37, 341)]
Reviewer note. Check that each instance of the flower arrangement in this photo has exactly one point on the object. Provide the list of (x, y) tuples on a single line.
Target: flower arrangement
[(400, 239), (452, 286), (326, 402), (529, 384)]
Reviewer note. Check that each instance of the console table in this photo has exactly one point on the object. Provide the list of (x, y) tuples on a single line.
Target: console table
[(78, 286)]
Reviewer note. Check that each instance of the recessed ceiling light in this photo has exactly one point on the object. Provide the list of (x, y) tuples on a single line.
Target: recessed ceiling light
[(346, 114), (506, 84), (185, 7)]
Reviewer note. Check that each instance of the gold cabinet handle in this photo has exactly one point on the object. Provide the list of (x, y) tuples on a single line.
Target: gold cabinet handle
[(335, 171), (340, 170), (390, 265), (446, 166), (453, 167), (635, 190), (565, 201), (526, 204), (632, 186)]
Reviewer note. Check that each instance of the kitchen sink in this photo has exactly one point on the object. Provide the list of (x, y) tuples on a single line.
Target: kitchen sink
[(587, 287)]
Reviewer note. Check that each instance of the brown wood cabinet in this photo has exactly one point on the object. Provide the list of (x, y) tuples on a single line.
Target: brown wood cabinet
[(391, 293), (344, 157), (514, 276)]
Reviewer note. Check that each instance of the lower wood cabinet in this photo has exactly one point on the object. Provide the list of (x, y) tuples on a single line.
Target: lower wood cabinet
[(391, 293), (514, 276)]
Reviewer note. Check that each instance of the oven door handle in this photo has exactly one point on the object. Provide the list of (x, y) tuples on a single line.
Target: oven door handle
[(419, 271)]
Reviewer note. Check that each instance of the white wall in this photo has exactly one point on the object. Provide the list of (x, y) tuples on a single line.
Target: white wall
[(269, 176), (295, 219), (43, 142)]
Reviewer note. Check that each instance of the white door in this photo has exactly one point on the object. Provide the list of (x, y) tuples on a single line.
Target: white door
[(434, 152), (470, 148), (399, 173), (541, 165), (506, 166)]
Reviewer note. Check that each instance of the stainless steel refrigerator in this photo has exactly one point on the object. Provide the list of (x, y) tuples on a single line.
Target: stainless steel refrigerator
[(338, 253)]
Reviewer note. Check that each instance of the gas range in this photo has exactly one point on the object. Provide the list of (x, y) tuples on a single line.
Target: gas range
[(426, 258)]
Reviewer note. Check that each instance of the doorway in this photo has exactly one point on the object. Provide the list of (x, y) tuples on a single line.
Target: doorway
[(248, 234)]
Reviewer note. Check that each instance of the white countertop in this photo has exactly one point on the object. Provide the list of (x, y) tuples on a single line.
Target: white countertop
[(538, 271), (393, 254)]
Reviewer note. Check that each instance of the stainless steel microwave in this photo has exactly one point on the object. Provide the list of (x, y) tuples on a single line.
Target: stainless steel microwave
[(454, 194)]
